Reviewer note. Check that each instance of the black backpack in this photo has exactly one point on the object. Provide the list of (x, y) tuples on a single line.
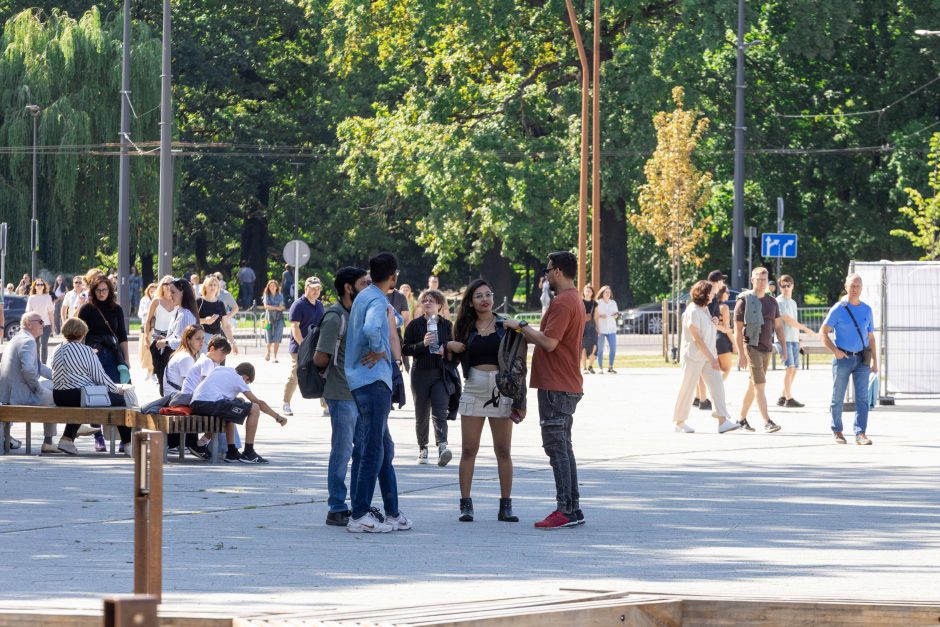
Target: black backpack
[(310, 379), (510, 379)]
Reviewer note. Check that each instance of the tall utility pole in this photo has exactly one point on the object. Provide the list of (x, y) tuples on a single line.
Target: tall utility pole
[(596, 155), (124, 172), (737, 243), (165, 232), (34, 110), (585, 121)]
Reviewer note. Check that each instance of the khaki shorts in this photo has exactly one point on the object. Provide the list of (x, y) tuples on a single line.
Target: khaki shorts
[(757, 363)]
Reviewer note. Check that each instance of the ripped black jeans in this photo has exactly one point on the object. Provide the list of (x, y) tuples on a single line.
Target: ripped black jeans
[(556, 416)]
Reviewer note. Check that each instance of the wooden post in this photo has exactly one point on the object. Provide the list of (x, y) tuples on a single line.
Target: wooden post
[(131, 611), (585, 123), (148, 513)]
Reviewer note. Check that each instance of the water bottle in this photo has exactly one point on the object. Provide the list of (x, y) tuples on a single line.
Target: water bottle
[(434, 348)]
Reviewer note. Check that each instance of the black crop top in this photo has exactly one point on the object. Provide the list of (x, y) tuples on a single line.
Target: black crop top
[(484, 350)]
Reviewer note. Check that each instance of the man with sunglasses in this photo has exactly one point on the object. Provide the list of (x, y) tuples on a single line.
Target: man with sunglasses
[(789, 313), (556, 376)]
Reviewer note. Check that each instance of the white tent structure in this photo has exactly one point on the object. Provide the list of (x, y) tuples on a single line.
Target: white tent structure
[(905, 299)]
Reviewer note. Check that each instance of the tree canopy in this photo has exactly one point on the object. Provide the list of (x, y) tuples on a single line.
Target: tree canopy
[(448, 131)]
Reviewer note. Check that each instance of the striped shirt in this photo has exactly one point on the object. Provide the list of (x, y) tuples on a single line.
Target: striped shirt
[(182, 318), (75, 365)]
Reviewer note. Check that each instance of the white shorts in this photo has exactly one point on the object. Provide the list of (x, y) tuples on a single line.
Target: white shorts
[(479, 390)]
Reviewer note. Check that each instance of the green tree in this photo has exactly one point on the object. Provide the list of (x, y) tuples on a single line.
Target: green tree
[(925, 212), (71, 68)]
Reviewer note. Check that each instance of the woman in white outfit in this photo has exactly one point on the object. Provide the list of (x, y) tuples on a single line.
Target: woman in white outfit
[(607, 315), (700, 359)]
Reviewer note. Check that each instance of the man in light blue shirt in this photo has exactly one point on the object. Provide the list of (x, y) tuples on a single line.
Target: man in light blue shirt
[(372, 350), (852, 323)]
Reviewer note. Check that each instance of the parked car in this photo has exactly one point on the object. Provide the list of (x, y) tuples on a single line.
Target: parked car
[(13, 309), (648, 317)]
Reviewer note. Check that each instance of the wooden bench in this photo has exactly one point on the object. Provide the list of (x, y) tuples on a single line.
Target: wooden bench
[(113, 417), (104, 416), (812, 345), (183, 425)]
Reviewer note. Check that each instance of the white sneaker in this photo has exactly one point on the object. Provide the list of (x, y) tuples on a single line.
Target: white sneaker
[(67, 446), (368, 524), (286, 410), (728, 425), (684, 428), (423, 456), (399, 523), (49, 448), (14, 443), (443, 454), (86, 430)]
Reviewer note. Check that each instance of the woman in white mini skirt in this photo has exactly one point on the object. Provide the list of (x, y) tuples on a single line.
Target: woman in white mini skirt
[(478, 332)]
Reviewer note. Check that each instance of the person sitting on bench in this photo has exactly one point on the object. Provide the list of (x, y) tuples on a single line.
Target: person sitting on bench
[(74, 366), (217, 396), (20, 373)]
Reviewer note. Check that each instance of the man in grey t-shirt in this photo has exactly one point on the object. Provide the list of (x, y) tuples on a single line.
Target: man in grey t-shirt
[(756, 319), (331, 355)]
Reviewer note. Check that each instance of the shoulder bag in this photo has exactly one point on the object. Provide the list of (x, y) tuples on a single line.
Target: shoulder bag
[(866, 350), (95, 396)]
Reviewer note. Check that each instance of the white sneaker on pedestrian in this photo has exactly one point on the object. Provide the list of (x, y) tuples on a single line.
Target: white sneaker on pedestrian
[(399, 523), (367, 524), (49, 448), (728, 425), (86, 430), (286, 410), (443, 454), (67, 446), (683, 428), (423, 456)]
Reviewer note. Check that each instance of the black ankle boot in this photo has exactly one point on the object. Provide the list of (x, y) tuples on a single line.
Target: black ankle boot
[(505, 511), (466, 510)]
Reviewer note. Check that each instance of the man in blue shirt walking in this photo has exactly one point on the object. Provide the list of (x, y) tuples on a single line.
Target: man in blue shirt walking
[(855, 353), (372, 350)]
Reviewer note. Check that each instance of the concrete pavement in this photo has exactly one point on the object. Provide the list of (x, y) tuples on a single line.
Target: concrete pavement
[(745, 514)]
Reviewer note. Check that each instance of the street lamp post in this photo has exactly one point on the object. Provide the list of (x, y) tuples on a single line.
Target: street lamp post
[(34, 110), (738, 281)]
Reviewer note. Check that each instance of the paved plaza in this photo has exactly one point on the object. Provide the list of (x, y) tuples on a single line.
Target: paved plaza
[(786, 515)]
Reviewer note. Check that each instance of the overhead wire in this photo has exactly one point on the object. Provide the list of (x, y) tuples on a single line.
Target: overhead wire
[(880, 111)]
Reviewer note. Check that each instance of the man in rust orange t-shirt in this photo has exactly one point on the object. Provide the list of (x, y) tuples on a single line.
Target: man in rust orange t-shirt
[(556, 376)]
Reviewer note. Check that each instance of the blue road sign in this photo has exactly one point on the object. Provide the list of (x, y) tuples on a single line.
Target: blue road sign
[(778, 245)]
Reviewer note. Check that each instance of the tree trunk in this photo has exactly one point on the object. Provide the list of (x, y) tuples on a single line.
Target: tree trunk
[(254, 244), (498, 271), (146, 268), (201, 249), (534, 292), (615, 268)]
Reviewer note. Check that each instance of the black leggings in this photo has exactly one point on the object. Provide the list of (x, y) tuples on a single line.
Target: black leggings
[(160, 360), (73, 398)]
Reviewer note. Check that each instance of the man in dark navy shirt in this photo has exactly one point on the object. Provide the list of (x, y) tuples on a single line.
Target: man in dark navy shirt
[(304, 313)]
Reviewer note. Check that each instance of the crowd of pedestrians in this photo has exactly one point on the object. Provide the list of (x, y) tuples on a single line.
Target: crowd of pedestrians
[(361, 344)]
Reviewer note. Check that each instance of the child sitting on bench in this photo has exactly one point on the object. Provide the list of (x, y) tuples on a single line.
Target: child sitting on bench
[(217, 396)]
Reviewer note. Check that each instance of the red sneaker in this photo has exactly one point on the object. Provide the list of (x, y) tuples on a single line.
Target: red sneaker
[(556, 520)]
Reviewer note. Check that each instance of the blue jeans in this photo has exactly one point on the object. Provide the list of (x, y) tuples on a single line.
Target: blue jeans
[(374, 402), (612, 343), (841, 370), (343, 418)]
